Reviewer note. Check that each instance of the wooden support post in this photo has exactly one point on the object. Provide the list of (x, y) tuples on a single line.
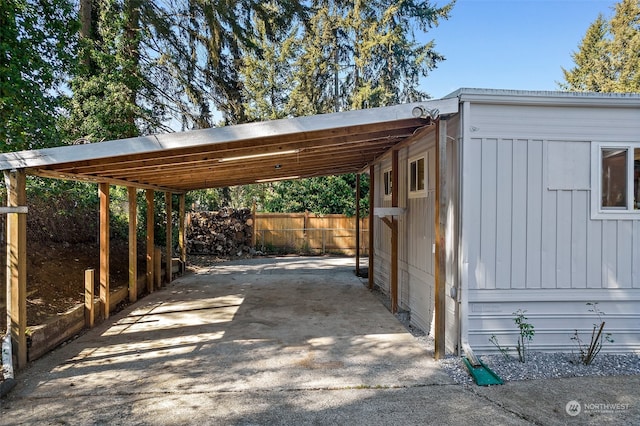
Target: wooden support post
[(133, 244), (168, 201), (182, 236), (103, 190), (157, 268), (372, 199), (394, 233), (305, 232), (253, 225), (16, 272), (440, 221), (358, 224), (89, 310), (150, 239)]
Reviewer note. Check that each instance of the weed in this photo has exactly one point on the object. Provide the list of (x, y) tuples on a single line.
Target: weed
[(587, 353), (503, 350)]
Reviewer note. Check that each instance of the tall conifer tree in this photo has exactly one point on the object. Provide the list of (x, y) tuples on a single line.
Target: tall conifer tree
[(608, 58)]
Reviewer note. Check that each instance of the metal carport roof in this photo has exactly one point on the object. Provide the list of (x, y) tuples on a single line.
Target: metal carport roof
[(320, 145)]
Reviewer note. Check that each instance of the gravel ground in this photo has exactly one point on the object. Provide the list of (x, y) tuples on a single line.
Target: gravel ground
[(541, 365), (538, 365)]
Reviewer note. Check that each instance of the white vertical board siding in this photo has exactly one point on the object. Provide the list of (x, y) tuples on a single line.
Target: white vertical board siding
[(420, 237), (527, 235), (488, 210), (382, 234), (504, 214), (519, 214), (534, 213), (416, 237)]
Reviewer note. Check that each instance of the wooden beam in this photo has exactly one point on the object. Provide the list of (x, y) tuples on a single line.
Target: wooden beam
[(394, 233), (358, 224), (174, 176), (182, 235), (103, 191), (16, 272), (150, 239), (372, 199), (418, 134), (98, 179), (168, 201), (440, 221), (133, 243), (387, 221)]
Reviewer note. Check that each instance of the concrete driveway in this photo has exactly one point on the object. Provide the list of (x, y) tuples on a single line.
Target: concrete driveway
[(264, 341)]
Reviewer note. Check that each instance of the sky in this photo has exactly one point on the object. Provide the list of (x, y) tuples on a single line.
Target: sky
[(509, 44)]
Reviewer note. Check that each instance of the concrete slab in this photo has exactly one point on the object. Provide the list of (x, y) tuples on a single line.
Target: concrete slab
[(265, 341)]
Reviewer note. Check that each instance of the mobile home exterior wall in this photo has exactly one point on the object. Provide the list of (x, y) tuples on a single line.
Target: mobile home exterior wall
[(529, 239)]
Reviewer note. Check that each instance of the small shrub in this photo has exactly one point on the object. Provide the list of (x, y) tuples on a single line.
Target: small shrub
[(526, 333)]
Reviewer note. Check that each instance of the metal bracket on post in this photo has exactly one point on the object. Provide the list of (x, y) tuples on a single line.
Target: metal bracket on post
[(18, 209)]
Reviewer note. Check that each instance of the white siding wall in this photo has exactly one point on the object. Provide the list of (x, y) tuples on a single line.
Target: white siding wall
[(416, 237), (528, 241), (382, 233)]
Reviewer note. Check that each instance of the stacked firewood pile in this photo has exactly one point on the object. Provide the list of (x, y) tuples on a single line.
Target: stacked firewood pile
[(224, 233)]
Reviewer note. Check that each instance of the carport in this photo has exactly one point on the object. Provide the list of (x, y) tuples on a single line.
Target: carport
[(329, 144)]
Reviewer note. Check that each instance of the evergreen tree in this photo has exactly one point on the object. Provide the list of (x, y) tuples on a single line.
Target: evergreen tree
[(266, 72), (364, 54), (607, 59), (114, 95), (36, 47), (624, 47)]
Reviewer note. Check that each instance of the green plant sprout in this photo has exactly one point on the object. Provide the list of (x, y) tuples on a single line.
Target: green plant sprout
[(526, 333)]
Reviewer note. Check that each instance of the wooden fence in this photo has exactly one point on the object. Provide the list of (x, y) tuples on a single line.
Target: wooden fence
[(310, 233)]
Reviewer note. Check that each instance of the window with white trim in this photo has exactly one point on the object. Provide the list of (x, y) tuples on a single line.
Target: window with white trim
[(417, 177), (388, 183), (616, 183)]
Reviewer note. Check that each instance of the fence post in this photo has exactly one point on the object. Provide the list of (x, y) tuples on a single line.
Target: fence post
[(255, 225), (157, 266), (358, 224), (89, 311), (305, 232)]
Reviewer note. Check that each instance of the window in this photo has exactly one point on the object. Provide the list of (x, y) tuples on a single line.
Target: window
[(416, 177), (616, 184), (388, 183)]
